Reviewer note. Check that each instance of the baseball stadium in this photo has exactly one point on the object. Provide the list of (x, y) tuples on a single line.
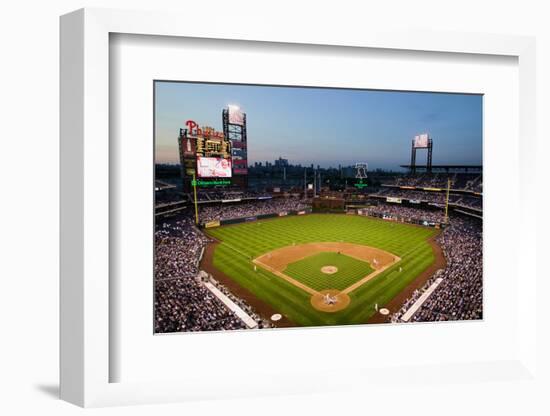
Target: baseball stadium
[(242, 244)]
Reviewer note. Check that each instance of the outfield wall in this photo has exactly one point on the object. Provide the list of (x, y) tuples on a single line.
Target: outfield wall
[(219, 223), (395, 218)]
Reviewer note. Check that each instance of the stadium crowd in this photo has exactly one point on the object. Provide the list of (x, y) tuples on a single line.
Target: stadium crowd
[(178, 236), (222, 194), (463, 181), (467, 201), (408, 214), (182, 302), (209, 213), (432, 197), (459, 296), (262, 323), (425, 180)]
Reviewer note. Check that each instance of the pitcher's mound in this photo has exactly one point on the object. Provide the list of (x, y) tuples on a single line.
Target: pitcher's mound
[(329, 269), (330, 300)]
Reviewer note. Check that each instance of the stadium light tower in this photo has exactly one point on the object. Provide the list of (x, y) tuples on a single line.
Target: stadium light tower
[(422, 141), (234, 129)]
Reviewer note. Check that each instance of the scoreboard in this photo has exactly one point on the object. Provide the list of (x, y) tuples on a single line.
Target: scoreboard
[(217, 158), (204, 153)]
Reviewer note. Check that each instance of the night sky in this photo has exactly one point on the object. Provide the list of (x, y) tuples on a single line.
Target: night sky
[(326, 126)]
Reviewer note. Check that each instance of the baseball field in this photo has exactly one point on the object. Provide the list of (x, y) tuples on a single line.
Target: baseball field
[(323, 269)]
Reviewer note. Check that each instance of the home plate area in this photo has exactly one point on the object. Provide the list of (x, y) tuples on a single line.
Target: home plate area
[(330, 300), (329, 271)]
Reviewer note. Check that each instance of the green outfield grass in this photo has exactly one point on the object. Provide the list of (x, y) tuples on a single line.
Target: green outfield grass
[(243, 242), (308, 271)]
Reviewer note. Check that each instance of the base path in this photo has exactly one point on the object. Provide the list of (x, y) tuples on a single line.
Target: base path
[(276, 262)]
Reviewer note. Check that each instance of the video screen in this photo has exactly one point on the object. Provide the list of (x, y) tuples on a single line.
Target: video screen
[(421, 141), (236, 116), (283, 207), (213, 167)]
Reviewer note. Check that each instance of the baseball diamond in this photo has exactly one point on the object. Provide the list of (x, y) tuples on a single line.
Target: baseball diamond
[(367, 252)]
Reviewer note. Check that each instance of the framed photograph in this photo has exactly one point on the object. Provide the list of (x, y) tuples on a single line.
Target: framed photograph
[(290, 208)]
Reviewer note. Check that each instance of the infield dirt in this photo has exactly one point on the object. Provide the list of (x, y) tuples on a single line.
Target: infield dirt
[(280, 258)]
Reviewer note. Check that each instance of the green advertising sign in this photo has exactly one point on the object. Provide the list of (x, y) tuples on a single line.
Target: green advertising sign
[(361, 185), (216, 182)]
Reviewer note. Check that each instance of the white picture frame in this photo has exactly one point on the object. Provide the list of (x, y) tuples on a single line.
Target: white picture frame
[(85, 355)]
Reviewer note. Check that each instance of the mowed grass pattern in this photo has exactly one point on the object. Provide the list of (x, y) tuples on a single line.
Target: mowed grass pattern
[(308, 271), (241, 243)]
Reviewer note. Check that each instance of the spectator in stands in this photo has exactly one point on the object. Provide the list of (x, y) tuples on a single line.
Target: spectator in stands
[(459, 296), (182, 302), (399, 212), (252, 208)]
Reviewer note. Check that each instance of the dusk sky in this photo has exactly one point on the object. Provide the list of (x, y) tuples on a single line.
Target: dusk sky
[(326, 126)]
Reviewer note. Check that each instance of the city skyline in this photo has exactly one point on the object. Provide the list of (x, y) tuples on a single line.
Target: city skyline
[(326, 126)]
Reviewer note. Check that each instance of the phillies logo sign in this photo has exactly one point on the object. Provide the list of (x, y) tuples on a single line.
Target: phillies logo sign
[(195, 130)]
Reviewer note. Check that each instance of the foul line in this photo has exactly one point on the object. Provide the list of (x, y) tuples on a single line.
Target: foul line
[(237, 251), (285, 277)]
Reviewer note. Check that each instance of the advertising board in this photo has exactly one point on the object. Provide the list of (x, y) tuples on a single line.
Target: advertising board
[(393, 200)]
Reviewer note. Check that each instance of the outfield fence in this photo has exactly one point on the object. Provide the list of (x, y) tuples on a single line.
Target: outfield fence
[(252, 218), (397, 218)]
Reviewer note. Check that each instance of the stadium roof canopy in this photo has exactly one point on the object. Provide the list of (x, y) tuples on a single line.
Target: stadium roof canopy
[(448, 168)]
